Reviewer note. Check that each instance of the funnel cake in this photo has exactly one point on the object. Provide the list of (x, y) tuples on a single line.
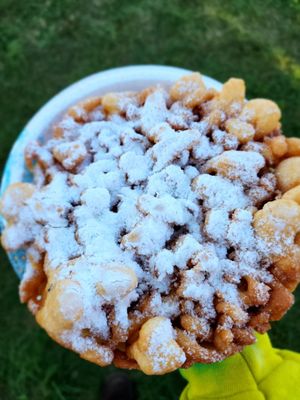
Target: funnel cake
[(161, 227)]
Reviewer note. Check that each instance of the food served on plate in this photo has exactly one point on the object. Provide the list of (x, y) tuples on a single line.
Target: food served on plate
[(161, 227)]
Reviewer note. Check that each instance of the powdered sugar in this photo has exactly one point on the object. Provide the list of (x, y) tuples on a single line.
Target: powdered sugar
[(218, 192), (241, 165), (148, 200), (154, 110), (162, 347)]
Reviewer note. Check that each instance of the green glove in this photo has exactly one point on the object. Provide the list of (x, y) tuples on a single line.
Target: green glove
[(260, 372)]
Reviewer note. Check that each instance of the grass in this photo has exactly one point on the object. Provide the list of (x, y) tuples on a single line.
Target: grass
[(44, 46)]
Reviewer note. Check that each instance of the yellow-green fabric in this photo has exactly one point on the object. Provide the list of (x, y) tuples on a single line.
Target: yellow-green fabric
[(260, 372)]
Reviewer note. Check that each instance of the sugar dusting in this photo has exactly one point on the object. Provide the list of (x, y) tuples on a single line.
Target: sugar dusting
[(154, 192), (162, 347)]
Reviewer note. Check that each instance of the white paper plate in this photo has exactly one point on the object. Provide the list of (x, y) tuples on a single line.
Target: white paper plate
[(134, 77)]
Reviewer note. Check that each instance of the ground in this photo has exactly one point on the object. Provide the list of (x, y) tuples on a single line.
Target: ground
[(46, 45)]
